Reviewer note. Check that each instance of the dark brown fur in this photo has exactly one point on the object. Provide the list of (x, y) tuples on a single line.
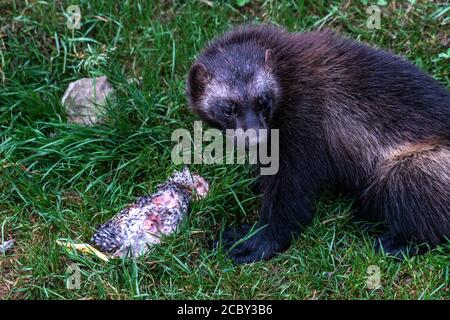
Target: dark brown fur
[(350, 116)]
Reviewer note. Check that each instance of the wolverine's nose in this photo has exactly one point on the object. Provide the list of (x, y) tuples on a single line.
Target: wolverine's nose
[(249, 128), (251, 120)]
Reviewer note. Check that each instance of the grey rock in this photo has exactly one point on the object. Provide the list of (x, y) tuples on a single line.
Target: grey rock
[(85, 98)]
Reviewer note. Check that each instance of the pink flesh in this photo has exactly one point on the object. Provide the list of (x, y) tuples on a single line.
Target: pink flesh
[(151, 223), (201, 186), (168, 200)]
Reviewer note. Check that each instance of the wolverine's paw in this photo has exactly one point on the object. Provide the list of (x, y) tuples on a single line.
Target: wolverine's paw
[(245, 244), (392, 248)]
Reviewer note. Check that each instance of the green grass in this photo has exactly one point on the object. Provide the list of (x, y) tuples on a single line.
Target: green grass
[(59, 180)]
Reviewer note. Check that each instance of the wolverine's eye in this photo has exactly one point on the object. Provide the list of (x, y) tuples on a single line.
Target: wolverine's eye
[(227, 111), (260, 103), (263, 102)]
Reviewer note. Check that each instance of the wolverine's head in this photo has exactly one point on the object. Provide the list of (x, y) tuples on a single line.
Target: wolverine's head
[(233, 87)]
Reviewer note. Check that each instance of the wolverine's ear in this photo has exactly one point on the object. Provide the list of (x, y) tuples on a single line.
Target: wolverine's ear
[(268, 60), (198, 78)]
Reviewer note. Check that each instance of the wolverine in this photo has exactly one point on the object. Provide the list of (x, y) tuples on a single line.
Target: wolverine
[(350, 117)]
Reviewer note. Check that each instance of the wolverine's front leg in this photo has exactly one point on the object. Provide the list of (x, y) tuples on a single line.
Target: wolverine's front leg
[(246, 243), (285, 210)]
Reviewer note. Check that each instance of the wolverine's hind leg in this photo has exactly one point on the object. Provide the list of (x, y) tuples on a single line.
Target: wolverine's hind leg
[(411, 192)]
